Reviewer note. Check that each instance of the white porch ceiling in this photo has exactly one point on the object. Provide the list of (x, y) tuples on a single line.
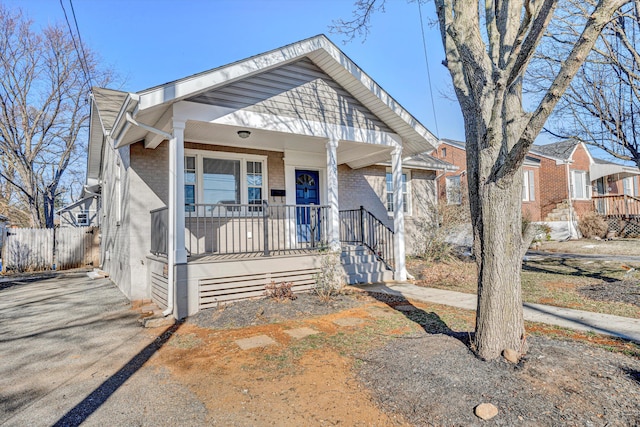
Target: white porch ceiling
[(349, 152)]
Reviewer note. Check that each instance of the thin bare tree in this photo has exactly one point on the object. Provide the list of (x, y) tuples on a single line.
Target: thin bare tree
[(489, 45), (602, 104), (44, 108)]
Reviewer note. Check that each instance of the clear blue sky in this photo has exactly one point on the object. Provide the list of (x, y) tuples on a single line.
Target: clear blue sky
[(150, 42)]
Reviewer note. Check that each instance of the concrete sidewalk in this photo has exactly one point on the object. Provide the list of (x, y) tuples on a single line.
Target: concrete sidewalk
[(616, 326)]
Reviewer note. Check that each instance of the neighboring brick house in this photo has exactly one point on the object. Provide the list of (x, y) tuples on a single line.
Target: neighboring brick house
[(560, 179), (220, 183), (452, 184)]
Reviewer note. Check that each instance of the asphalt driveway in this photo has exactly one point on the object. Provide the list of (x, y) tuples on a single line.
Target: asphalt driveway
[(72, 352)]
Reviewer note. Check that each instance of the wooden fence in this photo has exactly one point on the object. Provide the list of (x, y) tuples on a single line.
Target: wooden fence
[(36, 249)]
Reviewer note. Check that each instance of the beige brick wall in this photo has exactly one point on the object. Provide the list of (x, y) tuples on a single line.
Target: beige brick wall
[(367, 187)]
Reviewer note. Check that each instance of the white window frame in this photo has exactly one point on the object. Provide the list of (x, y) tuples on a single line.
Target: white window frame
[(629, 186), (586, 185), (406, 194), (458, 200), (528, 186), (86, 221), (200, 155)]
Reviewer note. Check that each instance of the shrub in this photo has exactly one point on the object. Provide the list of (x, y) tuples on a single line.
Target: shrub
[(280, 291), (330, 279), (592, 225)]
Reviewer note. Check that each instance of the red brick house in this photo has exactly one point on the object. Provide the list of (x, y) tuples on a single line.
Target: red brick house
[(561, 180)]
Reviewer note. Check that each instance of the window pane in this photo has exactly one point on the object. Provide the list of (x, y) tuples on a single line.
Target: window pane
[(255, 194), (254, 180), (221, 181), (190, 163)]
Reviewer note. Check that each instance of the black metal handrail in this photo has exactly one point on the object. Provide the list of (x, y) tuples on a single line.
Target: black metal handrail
[(359, 226)]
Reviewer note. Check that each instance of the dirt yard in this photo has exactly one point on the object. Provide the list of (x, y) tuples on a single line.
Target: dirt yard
[(382, 360), (626, 247)]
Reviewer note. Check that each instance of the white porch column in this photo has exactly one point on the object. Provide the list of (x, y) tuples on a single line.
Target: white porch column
[(176, 253), (400, 273), (176, 197), (332, 195)]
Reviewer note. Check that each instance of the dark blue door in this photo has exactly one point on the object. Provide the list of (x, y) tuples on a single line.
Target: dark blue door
[(307, 193)]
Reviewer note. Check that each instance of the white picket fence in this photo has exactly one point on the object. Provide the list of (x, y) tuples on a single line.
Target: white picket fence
[(36, 249)]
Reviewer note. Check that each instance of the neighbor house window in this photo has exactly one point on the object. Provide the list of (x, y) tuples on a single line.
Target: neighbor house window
[(444, 151), (630, 186), (82, 218), (224, 178), (454, 190), (528, 187), (580, 185), (405, 193)]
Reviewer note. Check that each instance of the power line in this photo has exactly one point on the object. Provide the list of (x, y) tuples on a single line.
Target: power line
[(80, 52), (426, 60), (84, 56)]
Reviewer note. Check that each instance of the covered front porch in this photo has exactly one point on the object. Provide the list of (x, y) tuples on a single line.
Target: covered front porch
[(253, 152)]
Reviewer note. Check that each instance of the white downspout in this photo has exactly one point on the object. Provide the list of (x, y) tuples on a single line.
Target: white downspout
[(171, 262)]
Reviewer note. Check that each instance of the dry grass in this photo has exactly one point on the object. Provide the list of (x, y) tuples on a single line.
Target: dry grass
[(620, 247), (544, 281)]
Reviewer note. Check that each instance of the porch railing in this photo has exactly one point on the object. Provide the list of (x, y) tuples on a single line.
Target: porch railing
[(260, 229), (617, 205), (159, 231), (359, 226)]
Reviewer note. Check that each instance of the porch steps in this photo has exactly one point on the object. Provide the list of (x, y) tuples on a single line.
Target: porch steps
[(559, 213), (361, 266)]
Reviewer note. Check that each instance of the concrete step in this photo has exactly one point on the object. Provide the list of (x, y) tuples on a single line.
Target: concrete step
[(357, 259), (377, 277), (369, 267)]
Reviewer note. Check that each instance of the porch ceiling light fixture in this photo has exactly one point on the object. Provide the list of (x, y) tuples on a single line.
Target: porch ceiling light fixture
[(244, 134)]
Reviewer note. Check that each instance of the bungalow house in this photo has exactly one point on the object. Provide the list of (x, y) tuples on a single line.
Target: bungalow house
[(562, 180), (221, 182)]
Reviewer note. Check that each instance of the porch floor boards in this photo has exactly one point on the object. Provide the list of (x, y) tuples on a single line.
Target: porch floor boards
[(254, 255)]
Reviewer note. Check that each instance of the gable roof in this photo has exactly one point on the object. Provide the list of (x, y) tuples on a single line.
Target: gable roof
[(152, 103), (562, 150)]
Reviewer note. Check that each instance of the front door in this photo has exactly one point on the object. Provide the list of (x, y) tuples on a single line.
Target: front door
[(307, 194)]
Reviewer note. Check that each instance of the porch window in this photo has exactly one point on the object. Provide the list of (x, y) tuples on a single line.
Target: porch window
[(189, 183), (454, 190), (220, 181), (405, 197), (223, 178), (580, 184), (528, 187)]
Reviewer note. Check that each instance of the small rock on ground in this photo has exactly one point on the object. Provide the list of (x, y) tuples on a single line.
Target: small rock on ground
[(486, 411), (510, 355)]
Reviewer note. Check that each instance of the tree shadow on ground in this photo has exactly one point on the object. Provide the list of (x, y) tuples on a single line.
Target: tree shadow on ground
[(632, 373), (568, 267), (90, 404), (430, 322)]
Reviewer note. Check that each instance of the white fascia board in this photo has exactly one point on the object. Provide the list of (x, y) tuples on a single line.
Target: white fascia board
[(318, 46), (131, 105), (248, 119), (584, 146)]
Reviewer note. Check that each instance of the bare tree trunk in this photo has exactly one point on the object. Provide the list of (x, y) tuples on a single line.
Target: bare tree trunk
[(498, 238)]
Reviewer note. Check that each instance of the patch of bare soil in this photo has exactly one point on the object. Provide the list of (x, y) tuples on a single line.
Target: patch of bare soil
[(262, 311), (401, 364), (437, 381), (627, 291)]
